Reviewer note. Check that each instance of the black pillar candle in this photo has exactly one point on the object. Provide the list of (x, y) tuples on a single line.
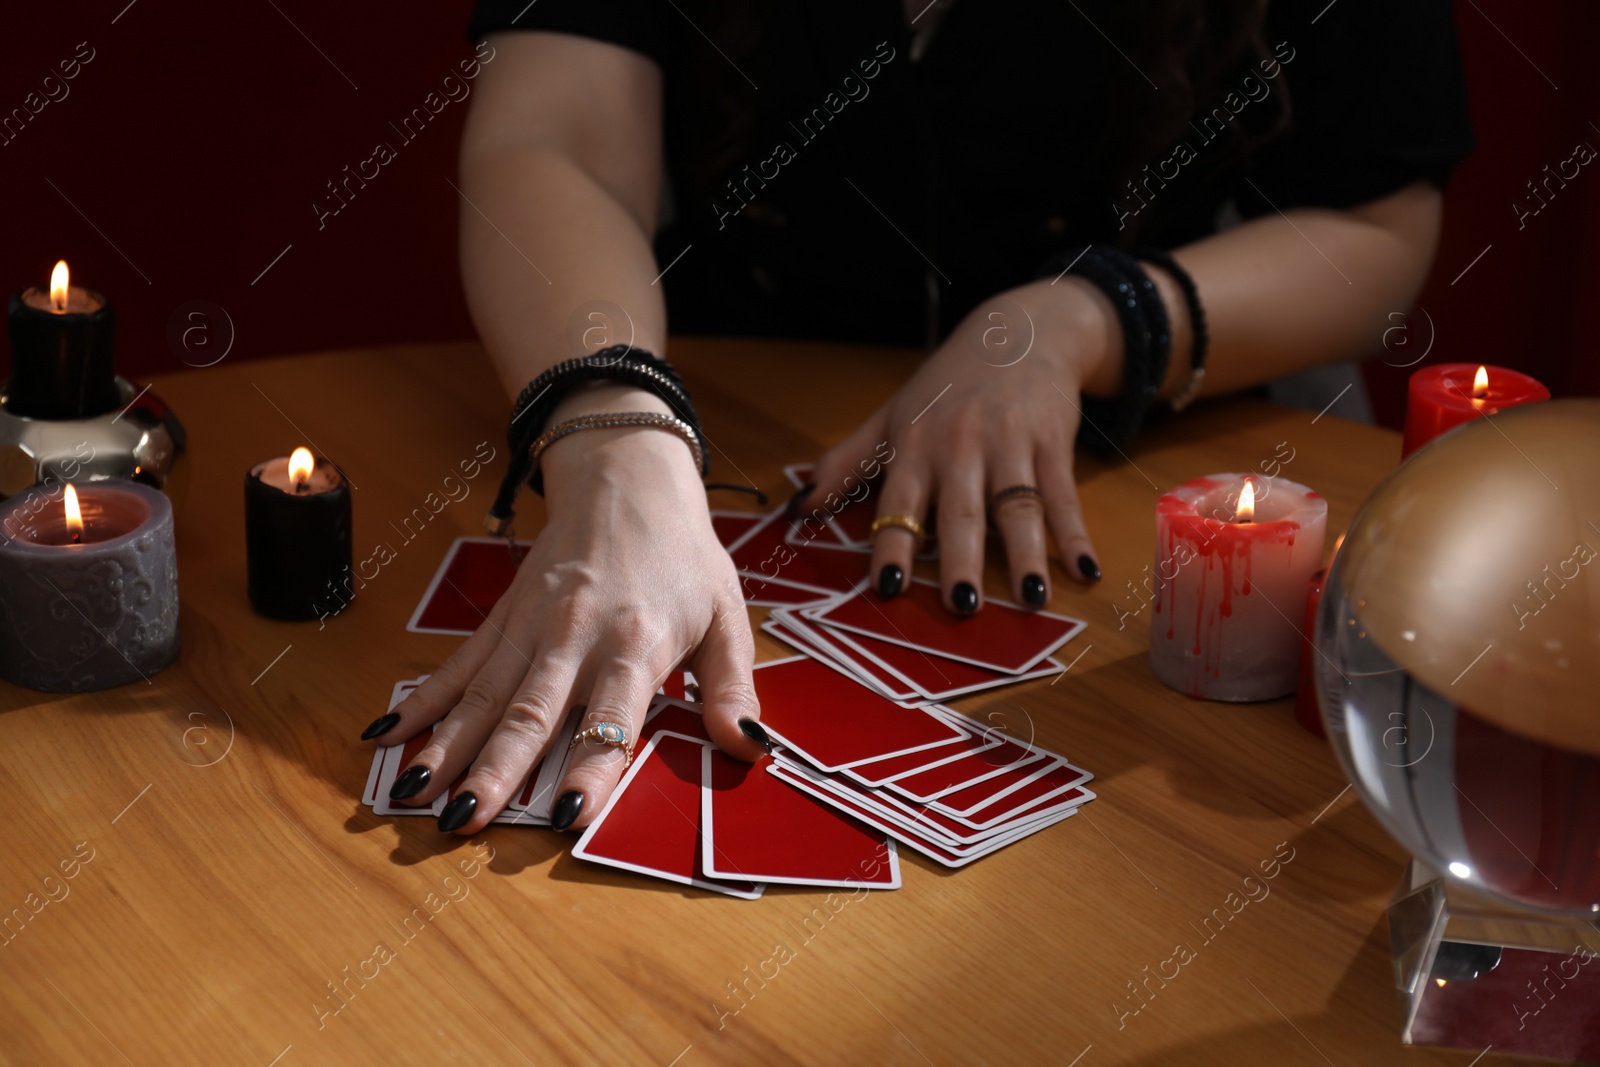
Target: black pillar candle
[(62, 352), (297, 536)]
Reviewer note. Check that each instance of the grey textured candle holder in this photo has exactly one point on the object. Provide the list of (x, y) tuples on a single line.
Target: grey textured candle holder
[(141, 441), (92, 616)]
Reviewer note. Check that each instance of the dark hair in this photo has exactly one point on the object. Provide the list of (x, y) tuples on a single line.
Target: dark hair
[(1196, 51)]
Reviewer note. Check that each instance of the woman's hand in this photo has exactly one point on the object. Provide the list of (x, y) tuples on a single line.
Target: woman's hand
[(625, 582), (996, 406)]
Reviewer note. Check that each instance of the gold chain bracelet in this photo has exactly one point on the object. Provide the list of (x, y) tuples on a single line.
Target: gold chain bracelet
[(611, 420)]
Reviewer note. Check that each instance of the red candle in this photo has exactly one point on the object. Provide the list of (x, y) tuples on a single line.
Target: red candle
[(1444, 396), (1306, 712)]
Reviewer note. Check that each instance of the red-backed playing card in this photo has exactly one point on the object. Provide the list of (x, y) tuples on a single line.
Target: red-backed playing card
[(758, 829), (930, 676), (651, 824), (732, 525), (762, 592), (1001, 637), (878, 772), (936, 849), (833, 722), (970, 770), (474, 574), (932, 824), (678, 718), (1011, 793), (813, 641), (763, 553)]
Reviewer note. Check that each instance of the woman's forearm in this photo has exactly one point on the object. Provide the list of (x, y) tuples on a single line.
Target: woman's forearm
[(1281, 294), (560, 176), (1284, 293)]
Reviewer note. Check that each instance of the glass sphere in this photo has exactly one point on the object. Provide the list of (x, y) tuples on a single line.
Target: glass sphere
[(1458, 655)]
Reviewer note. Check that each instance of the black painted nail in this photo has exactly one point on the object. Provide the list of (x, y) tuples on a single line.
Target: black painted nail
[(410, 783), (793, 507), (964, 598), (458, 812), (1089, 568), (569, 806), (890, 581), (754, 731), (1033, 590), (380, 726)]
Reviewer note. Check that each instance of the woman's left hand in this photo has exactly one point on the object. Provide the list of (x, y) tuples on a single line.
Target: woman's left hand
[(996, 405)]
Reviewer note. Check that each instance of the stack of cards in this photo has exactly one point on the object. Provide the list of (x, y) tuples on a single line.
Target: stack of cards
[(684, 812), (946, 785), (867, 753), (529, 806), (687, 813), (912, 650)]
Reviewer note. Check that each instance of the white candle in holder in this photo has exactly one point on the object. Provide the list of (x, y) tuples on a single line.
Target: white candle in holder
[(1234, 555)]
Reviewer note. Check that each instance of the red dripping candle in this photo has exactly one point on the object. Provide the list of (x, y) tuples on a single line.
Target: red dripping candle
[(1306, 712), (1446, 395), (1233, 555)]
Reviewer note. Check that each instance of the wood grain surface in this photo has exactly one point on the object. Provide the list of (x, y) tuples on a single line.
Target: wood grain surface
[(232, 902)]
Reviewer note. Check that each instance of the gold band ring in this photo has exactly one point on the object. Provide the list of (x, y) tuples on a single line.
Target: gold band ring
[(612, 734), (898, 522), (1013, 492)]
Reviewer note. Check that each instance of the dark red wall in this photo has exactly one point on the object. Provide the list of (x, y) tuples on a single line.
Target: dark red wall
[(194, 144), (1525, 304)]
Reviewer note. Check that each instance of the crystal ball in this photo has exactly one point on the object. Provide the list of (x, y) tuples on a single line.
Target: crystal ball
[(1458, 655)]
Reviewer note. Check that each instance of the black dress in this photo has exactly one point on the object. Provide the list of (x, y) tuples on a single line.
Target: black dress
[(826, 185)]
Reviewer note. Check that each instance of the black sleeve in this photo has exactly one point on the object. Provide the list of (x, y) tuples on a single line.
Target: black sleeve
[(637, 25), (1378, 101)]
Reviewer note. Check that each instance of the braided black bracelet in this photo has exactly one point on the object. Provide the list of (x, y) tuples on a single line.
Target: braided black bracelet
[(1110, 425), (622, 364), (1197, 323)]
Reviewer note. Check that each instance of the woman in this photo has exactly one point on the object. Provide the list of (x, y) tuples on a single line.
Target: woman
[(972, 175)]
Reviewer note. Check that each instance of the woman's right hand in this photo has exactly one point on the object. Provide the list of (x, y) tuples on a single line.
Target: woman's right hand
[(625, 583)]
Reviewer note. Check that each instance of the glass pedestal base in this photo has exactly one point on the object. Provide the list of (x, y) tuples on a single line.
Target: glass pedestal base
[(1479, 975)]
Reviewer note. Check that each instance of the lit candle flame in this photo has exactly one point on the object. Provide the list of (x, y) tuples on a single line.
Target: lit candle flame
[(74, 516), (1440, 982), (1246, 511), (58, 287), (300, 467), (1480, 383)]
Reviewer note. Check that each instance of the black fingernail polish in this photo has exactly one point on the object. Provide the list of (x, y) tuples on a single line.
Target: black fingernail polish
[(754, 731), (964, 598), (890, 581), (458, 812), (800, 494), (1089, 568), (410, 783), (569, 806), (1033, 590), (380, 726)]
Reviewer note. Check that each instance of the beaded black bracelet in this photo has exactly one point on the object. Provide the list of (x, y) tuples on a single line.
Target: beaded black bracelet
[(621, 364), (1110, 425), (1197, 323)]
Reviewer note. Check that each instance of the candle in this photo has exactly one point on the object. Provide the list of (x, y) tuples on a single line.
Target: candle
[(1234, 554), (62, 352), (1443, 396), (1306, 711), (297, 534), (88, 586)]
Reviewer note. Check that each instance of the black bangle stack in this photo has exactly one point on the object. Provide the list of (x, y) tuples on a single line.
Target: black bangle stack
[(1197, 323), (622, 364), (1109, 426)]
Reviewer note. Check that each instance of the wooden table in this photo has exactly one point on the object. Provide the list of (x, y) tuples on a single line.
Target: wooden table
[(235, 877)]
